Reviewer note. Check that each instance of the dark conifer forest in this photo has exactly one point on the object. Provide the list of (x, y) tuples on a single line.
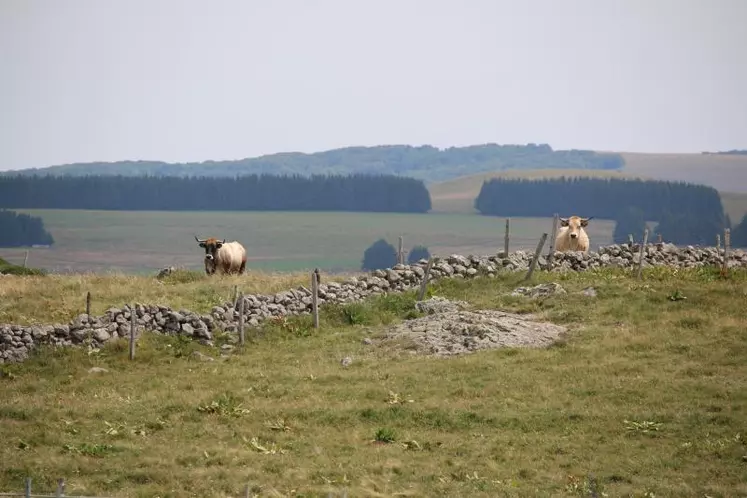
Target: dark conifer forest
[(374, 193)]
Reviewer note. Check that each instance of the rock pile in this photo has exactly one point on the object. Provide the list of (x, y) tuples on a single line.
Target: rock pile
[(17, 341)]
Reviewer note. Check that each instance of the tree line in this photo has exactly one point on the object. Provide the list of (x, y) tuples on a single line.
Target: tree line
[(422, 162), (360, 192), (19, 230)]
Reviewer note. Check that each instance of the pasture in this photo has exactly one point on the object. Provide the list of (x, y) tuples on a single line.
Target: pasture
[(646, 396), (143, 242)]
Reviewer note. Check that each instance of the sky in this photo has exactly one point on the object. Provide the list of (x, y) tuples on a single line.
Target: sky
[(188, 80)]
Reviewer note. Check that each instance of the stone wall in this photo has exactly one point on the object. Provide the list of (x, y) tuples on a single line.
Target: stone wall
[(16, 342)]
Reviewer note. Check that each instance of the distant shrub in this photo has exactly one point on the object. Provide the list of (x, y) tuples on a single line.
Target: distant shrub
[(11, 269), (417, 253), (380, 255)]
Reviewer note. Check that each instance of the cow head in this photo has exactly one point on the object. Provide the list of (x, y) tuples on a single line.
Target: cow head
[(574, 224), (211, 246)]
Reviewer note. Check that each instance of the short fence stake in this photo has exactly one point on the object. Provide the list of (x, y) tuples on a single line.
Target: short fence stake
[(630, 240), (727, 250), (424, 283), (401, 252), (60, 487), (315, 297), (640, 253), (88, 303), (133, 317), (26, 258), (241, 318), (27, 489), (507, 237), (536, 256), (551, 255), (718, 243)]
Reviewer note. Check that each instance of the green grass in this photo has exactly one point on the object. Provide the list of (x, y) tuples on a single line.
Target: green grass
[(645, 397), (141, 242), (11, 269)]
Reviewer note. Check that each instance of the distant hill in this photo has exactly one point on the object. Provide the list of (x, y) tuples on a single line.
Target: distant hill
[(426, 163)]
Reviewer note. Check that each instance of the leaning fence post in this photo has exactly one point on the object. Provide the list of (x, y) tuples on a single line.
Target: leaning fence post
[(315, 297), (640, 253), (241, 318), (536, 256), (551, 255), (133, 316), (424, 283), (60, 487), (506, 237)]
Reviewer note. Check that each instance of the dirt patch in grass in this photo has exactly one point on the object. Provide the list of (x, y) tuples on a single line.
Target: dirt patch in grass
[(450, 328)]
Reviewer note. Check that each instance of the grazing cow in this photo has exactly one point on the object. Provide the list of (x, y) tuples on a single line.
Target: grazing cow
[(571, 235), (224, 257)]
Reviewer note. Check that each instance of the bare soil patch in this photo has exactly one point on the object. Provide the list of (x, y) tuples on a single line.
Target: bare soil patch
[(449, 329)]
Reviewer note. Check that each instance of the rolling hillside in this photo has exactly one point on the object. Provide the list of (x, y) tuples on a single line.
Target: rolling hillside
[(726, 173)]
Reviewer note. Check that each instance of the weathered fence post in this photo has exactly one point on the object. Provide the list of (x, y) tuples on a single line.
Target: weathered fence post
[(241, 318), (640, 253), (315, 297), (133, 321), (246, 491), (630, 240), (424, 283), (26, 258), (235, 295), (551, 254), (659, 240), (718, 243), (60, 487), (401, 252), (536, 256), (27, 488), (507, 237), (727, 249), (88, 303)]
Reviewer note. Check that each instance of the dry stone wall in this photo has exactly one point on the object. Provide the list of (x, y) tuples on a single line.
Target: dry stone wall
[(16, 341)]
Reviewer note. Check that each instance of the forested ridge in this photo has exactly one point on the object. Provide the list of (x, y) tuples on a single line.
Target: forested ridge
[(376, 193), (422, 162)]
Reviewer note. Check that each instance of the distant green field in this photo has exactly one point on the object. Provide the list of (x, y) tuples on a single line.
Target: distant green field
[(138, 242)]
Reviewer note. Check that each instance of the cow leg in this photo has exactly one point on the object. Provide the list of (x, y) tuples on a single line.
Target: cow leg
[(242, 267)]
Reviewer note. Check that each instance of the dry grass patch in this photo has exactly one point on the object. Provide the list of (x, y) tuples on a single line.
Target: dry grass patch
[(646, 395)]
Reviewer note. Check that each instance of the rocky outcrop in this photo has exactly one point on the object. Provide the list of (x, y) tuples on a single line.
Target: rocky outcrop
[(17, 341)]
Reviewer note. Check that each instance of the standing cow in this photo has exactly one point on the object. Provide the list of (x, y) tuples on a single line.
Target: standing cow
[(222, 256), (572, 236)]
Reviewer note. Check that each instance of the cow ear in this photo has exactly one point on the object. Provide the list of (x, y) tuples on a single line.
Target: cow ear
[(218, 245), (563, 222), (585, 222)]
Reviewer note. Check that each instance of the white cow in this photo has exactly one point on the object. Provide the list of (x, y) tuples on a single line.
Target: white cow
[(571, 235)]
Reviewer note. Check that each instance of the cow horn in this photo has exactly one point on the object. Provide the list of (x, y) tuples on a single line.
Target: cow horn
[(200, 241), (589, 218)]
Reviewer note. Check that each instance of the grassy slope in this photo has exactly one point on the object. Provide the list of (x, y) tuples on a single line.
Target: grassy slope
[(145, 241), (496, 423)]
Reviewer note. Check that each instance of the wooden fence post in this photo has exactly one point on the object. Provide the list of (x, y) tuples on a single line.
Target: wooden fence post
[(241, 318), (235, 295), (27, 488), (718, 243), (246, 491), (659, 240), (424, 283), (630, 240), (727, 249), (133, 320), (401, 252), (88, 303), (507, 237), (315, 297), (26, 258), (60, 487), (640, 253), (536, 256), (551, 254)]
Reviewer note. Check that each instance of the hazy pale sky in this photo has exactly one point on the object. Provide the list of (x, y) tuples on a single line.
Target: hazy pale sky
[(189, 80)]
